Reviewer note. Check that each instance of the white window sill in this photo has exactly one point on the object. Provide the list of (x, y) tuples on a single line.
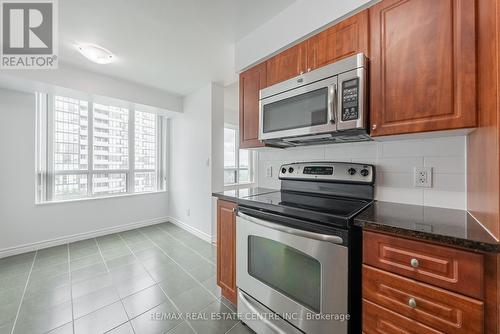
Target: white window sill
[(99, 198)]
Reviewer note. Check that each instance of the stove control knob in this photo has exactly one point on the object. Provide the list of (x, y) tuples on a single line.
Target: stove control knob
[(283, 170), (364, 172), (290, 170), (351, 171)]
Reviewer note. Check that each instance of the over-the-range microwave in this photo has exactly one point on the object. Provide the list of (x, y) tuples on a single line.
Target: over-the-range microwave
[(326, 105)]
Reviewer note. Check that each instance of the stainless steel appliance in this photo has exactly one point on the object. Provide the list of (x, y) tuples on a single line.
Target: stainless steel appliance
[(325, 105), (298, 256)]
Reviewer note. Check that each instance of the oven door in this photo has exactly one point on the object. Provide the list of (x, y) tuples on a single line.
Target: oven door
[(300, 275), (306, 110)]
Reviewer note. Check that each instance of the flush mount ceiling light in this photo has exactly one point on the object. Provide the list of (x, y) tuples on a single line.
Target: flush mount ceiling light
[(96, 53)]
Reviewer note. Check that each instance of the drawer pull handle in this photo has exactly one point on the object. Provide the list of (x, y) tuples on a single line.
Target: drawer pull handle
[(412, 303), (414, 263)]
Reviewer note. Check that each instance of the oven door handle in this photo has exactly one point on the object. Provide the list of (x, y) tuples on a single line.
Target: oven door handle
[(335, 239)]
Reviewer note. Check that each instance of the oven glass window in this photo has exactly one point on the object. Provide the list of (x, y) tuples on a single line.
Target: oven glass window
[(287, 270), (299, 111)]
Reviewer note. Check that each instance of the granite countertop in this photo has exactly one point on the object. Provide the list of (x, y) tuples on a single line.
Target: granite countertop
[(235, 194), (446, 226)]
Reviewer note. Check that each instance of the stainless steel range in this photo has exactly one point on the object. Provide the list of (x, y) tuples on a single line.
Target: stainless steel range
[(298, 255)]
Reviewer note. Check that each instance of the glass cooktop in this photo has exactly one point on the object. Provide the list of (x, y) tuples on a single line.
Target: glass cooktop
[(328, 209)]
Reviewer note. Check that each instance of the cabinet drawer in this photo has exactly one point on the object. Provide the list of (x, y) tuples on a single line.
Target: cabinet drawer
[(434, 307), (377, 320), (445, 267)]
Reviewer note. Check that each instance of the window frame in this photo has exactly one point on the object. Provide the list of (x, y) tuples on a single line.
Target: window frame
[(251, 161), (46, 172)]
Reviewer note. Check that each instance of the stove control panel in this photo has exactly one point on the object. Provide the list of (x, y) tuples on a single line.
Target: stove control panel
[(328, 172)]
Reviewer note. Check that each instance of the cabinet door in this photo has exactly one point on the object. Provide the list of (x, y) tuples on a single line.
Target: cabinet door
[(342, 40), (226, 249), (422, 66), (287, 64), (251, 82)]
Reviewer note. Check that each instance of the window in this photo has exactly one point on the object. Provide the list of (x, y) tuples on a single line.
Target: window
[(238, 163), (88, 149)]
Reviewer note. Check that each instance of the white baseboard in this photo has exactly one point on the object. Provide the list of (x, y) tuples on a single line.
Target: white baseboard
[(77, 237), (200, 234)]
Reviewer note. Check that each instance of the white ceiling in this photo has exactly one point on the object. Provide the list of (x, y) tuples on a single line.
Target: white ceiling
[(173, 45)]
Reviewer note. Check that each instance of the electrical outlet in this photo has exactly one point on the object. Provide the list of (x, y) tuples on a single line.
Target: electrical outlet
[(423, 177), (269, 171), (188, 212)]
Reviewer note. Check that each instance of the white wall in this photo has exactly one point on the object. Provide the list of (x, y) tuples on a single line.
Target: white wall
[(196, 164), (24, 223), (394, 161), (231, 103), (296, 22)]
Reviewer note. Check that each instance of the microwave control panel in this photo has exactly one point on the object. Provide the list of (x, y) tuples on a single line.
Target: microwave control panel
[(350, 100)]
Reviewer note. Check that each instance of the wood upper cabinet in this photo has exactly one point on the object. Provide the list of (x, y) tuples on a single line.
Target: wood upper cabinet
[(226, 249), (422, 66), (251, 82), (342, 40), (287, 64)]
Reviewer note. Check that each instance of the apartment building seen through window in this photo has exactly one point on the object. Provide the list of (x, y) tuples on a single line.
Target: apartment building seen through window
[(88, 149), (238, 163)]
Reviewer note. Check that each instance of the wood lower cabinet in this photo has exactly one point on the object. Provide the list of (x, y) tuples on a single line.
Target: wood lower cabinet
[(226, 249), (422, 66), (287, 64), (251, 82), (417, 287), (344, 39), (378, 320), (446, 267), (437, 308)]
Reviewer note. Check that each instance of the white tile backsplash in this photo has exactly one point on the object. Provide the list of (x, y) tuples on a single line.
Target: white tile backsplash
[(394, 161), (446, 165)]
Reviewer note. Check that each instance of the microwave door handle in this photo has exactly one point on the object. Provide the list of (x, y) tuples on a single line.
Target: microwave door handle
[(332, 105)]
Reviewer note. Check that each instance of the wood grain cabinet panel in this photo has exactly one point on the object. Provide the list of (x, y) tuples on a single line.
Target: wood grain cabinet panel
[(422, 66), (445, 311), (445, 267), (226, 249), (344, 39), (379, 320), (287, 64), (251, 82)]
